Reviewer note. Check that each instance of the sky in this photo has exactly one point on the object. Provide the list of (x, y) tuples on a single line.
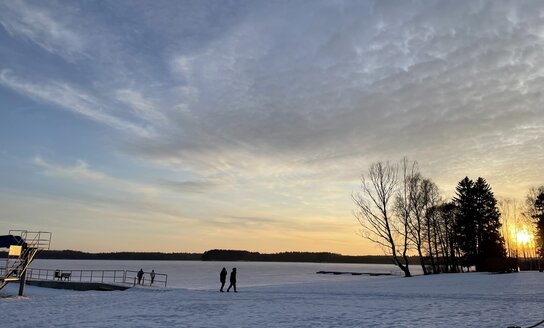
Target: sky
[(183, 126)]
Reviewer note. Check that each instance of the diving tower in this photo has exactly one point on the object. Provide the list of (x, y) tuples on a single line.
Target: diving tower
[(23, 247)]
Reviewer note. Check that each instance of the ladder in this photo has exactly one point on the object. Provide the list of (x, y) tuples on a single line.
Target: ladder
[(23, 253)]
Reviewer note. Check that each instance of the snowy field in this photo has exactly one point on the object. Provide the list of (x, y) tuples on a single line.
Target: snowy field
[(283, 300)]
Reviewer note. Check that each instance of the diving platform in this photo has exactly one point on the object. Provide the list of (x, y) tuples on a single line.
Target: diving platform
[(23, 247)]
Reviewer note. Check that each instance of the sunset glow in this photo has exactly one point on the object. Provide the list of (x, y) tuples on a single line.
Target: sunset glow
[(523, 237)]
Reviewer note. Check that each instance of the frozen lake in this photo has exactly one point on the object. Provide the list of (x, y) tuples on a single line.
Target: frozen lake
[(205, 275), (446, 300)]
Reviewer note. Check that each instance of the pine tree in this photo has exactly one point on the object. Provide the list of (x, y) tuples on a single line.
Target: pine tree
[(538, 215), (478, 223), (490, 241), (465, 225)]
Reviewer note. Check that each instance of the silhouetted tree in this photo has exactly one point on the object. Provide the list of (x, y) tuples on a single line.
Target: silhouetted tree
[(404, 207), (446, 213), (478, 223), (375, 213), (535, 202), (465, 222), (423, 196)]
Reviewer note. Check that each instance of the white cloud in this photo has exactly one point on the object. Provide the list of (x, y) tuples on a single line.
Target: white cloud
[(140, 105), (69, 98), (81, 172), (36, 24)]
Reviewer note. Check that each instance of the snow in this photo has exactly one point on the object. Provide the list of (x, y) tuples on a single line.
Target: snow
[(282, 300)]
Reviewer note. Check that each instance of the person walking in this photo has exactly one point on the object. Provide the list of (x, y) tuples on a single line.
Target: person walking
[(152, 276), (140, 276), (232, 280), (222, 278)]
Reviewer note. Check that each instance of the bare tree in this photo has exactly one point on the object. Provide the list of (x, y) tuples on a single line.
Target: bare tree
[(417, 224), (374, 212)]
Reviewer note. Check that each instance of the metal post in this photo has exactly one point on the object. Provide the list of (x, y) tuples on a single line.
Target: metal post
[(22, 280)]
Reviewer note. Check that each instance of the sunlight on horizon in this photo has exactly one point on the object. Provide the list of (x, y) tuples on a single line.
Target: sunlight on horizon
[(523, 237)]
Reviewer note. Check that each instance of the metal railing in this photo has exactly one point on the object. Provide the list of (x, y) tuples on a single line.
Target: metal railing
[(159, 279), (40, 240), (122, 277)]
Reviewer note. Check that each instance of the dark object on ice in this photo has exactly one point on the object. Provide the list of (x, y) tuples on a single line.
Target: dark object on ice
[(140, 276), (355, 273), (222, 278), (62, 275), (232, 280)]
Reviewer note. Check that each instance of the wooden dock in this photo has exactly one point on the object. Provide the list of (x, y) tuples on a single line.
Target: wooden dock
[(81, 286), (372, 274)]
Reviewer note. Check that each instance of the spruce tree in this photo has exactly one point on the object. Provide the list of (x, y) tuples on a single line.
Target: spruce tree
[(490, 241), (465, 225), (538, 215), (478, 223)]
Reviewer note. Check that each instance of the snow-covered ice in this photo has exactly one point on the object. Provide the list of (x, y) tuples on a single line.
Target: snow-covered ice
[(445, 300)]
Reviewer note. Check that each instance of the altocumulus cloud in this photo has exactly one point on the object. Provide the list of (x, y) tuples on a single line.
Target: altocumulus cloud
[(289, 101)]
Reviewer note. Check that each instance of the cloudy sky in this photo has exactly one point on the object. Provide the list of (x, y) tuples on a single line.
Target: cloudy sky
[(191, 125)]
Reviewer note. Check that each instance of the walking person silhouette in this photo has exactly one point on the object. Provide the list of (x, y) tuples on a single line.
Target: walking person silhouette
[(232, 280), (152, 276), (222, 278), (140, 276)]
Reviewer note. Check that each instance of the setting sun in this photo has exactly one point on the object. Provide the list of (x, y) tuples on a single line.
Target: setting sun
[(523, 237)]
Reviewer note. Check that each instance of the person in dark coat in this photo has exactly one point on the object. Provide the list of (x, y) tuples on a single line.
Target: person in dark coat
[(223, 278), (232, 280), (140, 275), (152, 276)]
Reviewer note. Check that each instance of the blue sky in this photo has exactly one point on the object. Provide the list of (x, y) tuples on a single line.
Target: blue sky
[(191, 125)]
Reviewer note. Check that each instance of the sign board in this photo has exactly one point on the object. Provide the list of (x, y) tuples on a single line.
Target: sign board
[(15, 250)]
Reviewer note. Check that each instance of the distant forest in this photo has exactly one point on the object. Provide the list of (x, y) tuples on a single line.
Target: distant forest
[(218, 255)]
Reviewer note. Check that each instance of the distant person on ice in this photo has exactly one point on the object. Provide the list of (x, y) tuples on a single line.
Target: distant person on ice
[(232, 280), (222, 278), (140, 276), (152, 276)]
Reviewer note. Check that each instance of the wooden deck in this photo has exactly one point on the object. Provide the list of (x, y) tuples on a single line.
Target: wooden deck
[(355, 273)]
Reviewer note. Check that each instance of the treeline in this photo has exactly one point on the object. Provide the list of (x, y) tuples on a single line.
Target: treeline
[(319, 257), (139, 256), (218, 255), (403, 212)]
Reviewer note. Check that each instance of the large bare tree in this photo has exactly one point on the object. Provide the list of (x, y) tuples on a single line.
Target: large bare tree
[(375, 212)]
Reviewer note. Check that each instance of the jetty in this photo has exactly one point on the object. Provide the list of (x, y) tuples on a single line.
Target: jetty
[(356, 273), (102, 280)]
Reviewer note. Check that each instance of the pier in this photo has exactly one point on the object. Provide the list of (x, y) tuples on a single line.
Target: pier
[(103, 280), (355, 273)]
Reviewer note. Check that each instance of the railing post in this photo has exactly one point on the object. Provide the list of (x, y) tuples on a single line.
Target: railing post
[(102, 276)]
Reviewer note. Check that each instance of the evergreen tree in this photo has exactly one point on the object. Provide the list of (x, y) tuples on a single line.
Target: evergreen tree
[(490, 241), (538, 215), (465, 225), (478, 223)]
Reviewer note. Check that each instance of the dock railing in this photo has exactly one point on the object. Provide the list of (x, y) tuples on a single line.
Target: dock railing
[(119, 277), (160, 279)]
